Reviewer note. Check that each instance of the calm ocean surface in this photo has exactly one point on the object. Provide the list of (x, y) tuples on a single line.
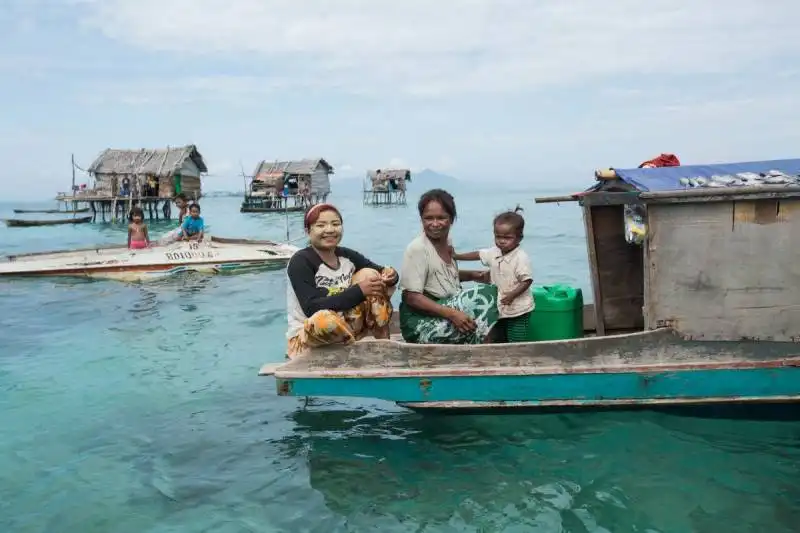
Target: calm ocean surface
[(137, 409)]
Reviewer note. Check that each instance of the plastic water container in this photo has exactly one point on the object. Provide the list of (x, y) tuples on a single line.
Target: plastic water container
[(558, 313)]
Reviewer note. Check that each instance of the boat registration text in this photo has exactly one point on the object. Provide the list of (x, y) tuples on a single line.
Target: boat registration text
[(194, 254)]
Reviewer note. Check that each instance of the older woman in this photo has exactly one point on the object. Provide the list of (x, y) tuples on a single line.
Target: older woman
[(435, 309), (335, 294)]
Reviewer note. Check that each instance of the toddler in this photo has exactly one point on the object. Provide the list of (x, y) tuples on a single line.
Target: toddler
[(510, 270)]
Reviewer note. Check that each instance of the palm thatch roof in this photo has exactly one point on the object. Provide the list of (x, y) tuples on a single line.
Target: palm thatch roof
[(299, 167), (156, 162), (390, 174)]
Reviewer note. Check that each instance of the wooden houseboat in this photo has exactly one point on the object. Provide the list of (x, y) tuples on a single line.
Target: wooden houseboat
[(149, 178), (386, 186), (286, 186), (696, 301)]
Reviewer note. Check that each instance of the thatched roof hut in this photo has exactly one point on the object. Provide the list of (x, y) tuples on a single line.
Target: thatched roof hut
[(389, 178), (161, 172), (313, 172)]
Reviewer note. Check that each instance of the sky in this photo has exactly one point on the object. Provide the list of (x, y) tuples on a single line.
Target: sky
[(536, 92)]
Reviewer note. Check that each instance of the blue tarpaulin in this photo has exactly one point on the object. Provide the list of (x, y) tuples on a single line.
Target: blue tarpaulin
[(668, 178)]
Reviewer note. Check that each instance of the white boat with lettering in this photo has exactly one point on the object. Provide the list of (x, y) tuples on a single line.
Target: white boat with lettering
[(215, 255)]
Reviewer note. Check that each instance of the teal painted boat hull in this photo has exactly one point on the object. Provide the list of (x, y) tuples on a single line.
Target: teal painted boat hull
[(778, 384), (647, 368)]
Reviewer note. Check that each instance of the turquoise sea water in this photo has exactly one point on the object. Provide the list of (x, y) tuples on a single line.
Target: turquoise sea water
[(137, 408)]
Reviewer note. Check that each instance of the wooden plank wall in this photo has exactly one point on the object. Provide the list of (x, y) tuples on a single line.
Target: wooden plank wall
[(618, 271), (725, 270)]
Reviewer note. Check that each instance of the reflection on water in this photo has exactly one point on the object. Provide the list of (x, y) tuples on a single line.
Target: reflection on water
[(590, 472)]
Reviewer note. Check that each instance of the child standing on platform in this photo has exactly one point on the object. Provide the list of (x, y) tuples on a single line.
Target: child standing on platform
[(510, 270)]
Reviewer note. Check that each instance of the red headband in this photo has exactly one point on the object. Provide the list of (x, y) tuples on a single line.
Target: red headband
[(313, 214)]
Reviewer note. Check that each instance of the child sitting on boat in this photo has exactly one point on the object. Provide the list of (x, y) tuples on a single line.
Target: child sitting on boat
[(192, 226), (182, 203), (510, 270), (137, 230)]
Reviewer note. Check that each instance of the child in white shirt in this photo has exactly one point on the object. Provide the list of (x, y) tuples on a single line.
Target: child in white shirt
[(509, 269)]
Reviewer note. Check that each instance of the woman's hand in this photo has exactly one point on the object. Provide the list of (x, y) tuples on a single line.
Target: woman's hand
[(389, 276), (372, 287), (462, 321)]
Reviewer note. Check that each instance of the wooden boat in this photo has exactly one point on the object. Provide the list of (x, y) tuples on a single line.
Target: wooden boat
[(67, 211), (706, 310), (215, 255), (20, 223), (649, 367)]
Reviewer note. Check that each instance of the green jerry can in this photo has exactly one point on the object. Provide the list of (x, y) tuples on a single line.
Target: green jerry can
[(557, 314)]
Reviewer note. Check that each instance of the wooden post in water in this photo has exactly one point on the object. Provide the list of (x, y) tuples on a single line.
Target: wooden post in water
[(72, 190)]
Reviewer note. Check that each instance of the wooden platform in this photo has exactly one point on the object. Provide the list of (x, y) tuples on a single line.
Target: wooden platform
[(293, 203), (395, 197), (116, 208)]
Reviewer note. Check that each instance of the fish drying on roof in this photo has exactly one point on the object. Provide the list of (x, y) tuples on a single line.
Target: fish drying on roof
[(742, 179)]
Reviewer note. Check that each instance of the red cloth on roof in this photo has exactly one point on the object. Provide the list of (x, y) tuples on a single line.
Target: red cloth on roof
[(664, 160)]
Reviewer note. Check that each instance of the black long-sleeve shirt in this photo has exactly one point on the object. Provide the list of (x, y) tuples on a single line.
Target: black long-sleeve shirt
[(314, 285)]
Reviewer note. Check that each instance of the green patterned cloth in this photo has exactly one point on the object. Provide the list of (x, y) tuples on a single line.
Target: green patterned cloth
[(514, 329), (479, 302)]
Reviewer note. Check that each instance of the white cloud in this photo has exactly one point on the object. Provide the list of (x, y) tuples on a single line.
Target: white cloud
[(427, 48), (397, 162), (188, 89)]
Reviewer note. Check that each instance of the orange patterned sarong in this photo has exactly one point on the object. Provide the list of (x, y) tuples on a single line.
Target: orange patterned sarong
[(332, 327)]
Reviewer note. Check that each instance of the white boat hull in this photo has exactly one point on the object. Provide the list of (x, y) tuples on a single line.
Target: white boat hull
[(213, 256)]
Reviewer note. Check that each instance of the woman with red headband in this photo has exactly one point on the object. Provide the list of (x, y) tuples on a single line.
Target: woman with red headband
[(335, 294)]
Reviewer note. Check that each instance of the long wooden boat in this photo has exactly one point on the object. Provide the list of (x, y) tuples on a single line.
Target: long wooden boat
[(655, 367), (52, 211), (20, 223), (215, 255), (699, 305)]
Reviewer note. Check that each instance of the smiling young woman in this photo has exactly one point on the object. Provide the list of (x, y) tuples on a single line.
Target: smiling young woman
[(335, 294)]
